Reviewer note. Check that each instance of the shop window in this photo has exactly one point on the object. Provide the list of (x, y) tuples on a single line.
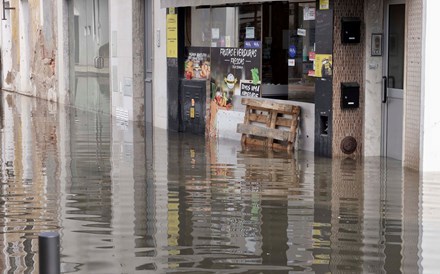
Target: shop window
[(211, 27), (283, 31), (249, 24), (301, 74)]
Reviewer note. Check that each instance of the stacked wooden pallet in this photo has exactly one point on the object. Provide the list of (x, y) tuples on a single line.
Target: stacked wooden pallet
[(269, 123)]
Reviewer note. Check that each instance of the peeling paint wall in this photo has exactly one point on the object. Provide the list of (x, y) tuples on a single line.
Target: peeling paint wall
[(29, 48)]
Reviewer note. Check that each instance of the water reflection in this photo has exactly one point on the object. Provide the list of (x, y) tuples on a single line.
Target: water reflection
[(131, 200)]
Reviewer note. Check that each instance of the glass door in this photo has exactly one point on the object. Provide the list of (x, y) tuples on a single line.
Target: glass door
[(393, 92)]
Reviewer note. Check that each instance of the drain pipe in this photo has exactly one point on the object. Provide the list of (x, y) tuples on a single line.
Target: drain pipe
[(49, 252)]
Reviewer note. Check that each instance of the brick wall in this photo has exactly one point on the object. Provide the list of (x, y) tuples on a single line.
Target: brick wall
[(348, 66)]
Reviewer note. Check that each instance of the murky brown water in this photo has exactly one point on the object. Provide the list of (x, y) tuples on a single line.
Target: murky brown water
[(126, 200)]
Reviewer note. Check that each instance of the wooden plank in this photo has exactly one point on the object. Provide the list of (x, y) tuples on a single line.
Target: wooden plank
[(267, 104), (271, 124), (246, 122), (261, 143), (276, 134), (254, 142), (261, 118)]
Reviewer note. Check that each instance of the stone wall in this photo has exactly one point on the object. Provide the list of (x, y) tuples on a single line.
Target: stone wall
[(29, 49)]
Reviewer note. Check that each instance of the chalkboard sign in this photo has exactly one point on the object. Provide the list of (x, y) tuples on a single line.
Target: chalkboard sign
[(249, 89)]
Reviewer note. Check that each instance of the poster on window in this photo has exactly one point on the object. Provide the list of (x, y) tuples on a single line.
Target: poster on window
[(323, 65), (197, 63), (235, 71)]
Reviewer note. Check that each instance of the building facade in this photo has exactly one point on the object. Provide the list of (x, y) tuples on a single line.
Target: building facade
[(136, 59), (385, 62)]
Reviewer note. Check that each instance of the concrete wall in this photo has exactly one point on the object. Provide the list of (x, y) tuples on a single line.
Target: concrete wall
[(160, 98), (373, 79), (430, 126)]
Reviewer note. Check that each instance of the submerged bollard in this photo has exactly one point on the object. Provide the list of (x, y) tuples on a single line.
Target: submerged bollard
[(49, 252)]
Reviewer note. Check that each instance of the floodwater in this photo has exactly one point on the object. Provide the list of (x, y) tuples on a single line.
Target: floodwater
[(129, 200)]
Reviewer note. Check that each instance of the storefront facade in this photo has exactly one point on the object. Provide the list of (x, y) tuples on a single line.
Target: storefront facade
[(297, 42)]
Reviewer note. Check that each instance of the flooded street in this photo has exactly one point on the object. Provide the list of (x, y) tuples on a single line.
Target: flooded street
[(126, 199)]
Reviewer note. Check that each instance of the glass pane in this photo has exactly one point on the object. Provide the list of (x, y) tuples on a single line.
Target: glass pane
[(249, 23), (223, 27), (302, 52), (200, 26), (396, 46)]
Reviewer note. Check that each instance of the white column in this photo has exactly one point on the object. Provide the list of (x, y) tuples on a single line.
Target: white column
[(160, 98), (430, 125)]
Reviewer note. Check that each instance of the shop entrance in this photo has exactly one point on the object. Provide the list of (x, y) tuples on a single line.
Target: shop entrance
[(393, 87)]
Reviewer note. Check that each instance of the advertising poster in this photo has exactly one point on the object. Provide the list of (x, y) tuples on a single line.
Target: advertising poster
[(197, 63), (323, 65), (235, 71)]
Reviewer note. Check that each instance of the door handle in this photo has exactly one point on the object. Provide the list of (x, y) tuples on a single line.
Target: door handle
[(384, 93), (149, 80)]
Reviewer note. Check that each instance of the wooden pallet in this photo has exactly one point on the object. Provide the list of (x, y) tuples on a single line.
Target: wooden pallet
[(269, 123)]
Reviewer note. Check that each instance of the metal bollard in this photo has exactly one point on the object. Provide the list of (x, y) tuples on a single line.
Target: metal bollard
[(49, 252)]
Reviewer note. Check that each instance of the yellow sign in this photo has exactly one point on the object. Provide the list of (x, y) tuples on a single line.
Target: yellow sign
[(324, 4), (323, 65), (172, 35)]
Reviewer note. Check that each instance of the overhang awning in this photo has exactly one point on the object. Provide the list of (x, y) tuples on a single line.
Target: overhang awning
[(195, 3)]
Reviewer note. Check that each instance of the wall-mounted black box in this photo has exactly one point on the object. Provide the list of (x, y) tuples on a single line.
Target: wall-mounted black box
[(350, 30), (349, 95)]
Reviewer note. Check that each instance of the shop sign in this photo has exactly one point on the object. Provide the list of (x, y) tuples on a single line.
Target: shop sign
[(234, 71)]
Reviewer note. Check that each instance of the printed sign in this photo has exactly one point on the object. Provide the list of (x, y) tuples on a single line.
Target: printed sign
[(250, 32), (197, 63), (324, 4), (309, 13), (231, 67), (291, 62), (171, 35), (301, 32), (323, 65)]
